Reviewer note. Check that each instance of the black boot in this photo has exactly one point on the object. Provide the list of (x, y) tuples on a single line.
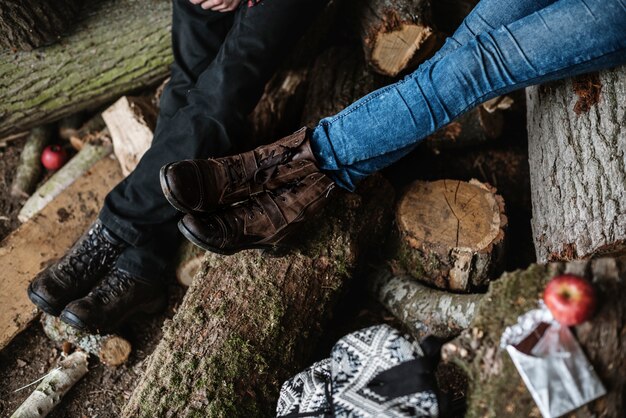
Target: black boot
[(117, 297), (73, 276)]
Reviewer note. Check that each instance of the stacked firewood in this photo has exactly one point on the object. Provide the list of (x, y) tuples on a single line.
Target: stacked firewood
[(430, 249)]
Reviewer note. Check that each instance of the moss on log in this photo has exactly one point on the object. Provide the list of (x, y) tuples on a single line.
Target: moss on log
[(249, 321), (496, 389), (116, 48)]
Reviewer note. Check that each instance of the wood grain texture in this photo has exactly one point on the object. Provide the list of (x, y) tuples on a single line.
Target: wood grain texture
[(131, 122), (450, 233), (577, 156), (396, 34), (117, 47), (43, 239)]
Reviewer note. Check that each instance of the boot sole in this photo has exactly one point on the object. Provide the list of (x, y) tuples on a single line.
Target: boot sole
[(203, 245), (149, 308), (41, 303), (167, 192)]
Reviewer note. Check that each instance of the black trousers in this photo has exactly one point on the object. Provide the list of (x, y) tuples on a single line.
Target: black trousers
[(221, 64)]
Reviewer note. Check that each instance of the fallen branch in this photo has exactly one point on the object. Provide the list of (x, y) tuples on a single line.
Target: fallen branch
[(71, 171), (29, 169), (112, 350), (49, 392), (423, 310)]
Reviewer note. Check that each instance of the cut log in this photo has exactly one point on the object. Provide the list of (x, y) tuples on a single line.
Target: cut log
[(450, 233), (46, 237), (253, 319), (396, 34), (131, 122), (423, 310), (62, 179), (112, 350), (116, 48), (476, 127), (57, 382), (278, 112), (577, 156), (495, 387), (189, 263), (28, 24), (29, 169), (339, 77)]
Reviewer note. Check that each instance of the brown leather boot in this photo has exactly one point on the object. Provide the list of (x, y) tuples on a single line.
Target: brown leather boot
[(260, 222), (201, 186)]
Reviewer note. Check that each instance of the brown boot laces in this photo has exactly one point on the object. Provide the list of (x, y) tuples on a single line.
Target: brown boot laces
[(267, 168)]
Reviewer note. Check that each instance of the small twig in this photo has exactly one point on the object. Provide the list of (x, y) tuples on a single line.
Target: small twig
[(38, 380)]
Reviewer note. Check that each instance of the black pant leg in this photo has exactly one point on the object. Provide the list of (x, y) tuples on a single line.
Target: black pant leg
[(210, 124)]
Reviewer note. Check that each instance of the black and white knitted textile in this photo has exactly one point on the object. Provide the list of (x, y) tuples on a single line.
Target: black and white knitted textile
[(374, 372)]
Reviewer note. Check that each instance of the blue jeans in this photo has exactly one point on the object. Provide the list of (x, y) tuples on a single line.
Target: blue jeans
[(501, 46)]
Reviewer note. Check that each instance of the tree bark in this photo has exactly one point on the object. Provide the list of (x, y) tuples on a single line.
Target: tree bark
[(251, 320), (496, 389), (577, 155), (116, 48), (450, 234), (338, 78), (112, 350), (423, 310), (448, 14), (396, 34), (28, 24)]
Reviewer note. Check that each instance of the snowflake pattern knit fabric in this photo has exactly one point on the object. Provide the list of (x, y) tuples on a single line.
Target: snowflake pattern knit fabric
[(342, 385)]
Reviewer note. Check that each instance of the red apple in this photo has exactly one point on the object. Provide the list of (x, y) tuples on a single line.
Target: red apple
[(53, 157), (571, 299)]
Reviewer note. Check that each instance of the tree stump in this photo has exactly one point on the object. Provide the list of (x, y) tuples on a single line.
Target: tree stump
[(450, 233), (28, 24), (251, 320), (577, 155), (495, 387), (396, 34)]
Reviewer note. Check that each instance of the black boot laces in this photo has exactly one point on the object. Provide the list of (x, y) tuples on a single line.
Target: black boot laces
[(93, 253), (114, 284)]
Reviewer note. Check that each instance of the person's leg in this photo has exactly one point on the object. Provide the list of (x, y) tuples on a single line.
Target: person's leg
[(197, 36), (566, 38), (488, 15), (209, 124)]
